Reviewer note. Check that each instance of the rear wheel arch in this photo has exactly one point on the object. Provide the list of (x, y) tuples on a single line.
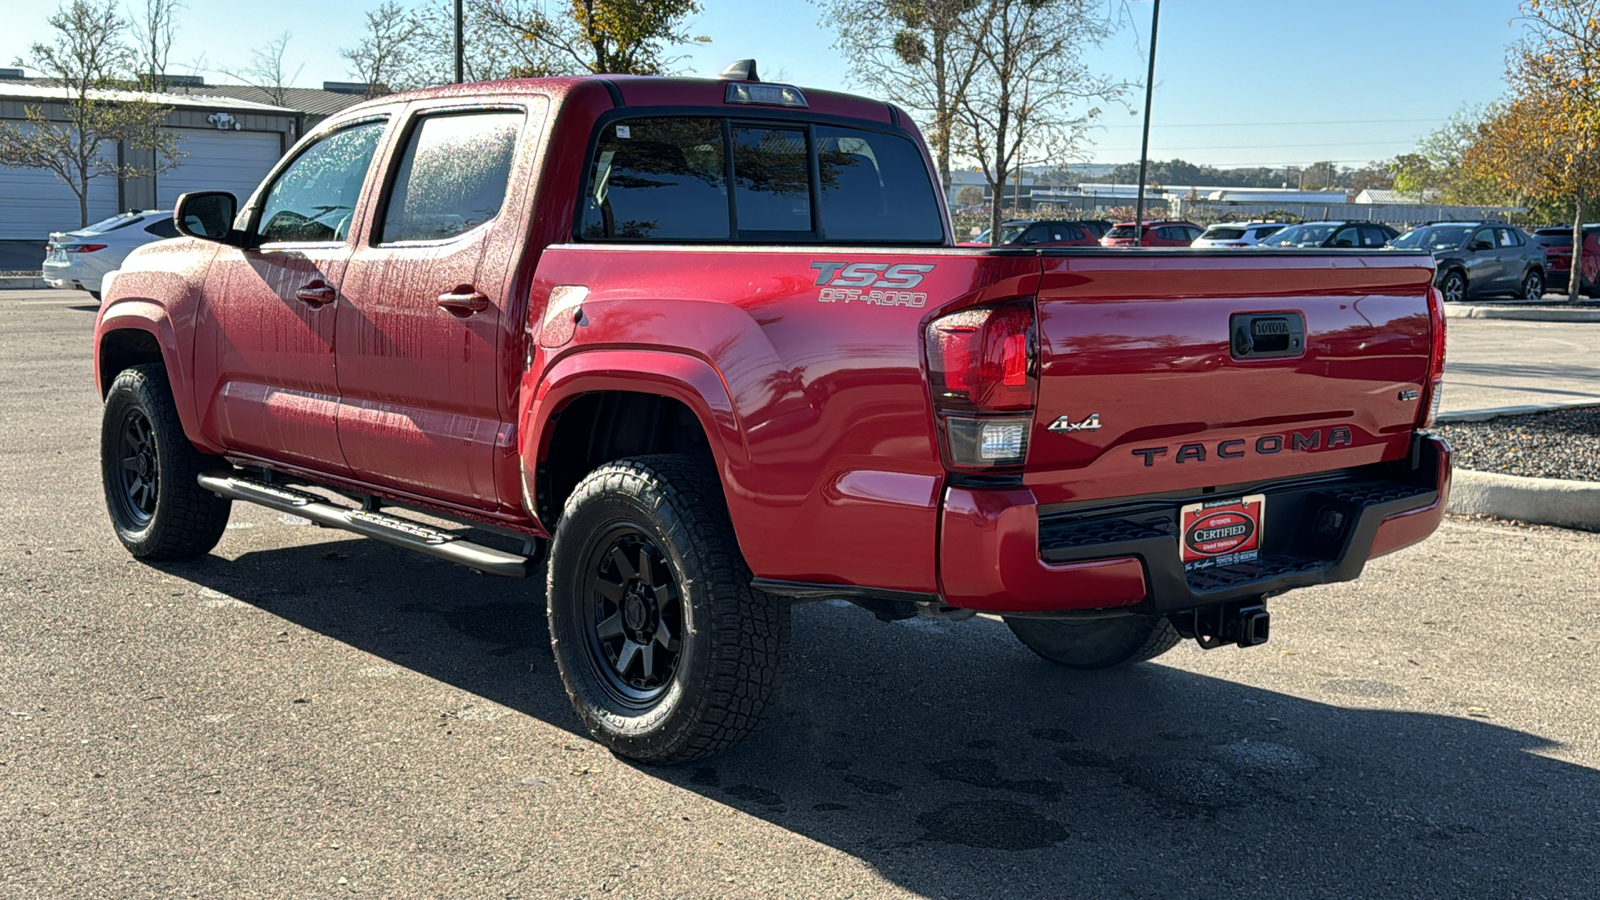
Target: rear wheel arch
[(598, 427)]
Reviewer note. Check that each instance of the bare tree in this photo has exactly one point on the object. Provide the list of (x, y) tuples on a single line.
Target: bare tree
[(90, 59), (267, 70), (914, 52), (153, 42), (1029, 99), (388, 50), (491, 50)]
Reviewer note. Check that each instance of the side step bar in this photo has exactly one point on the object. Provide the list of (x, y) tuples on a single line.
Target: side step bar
[(381, 526)]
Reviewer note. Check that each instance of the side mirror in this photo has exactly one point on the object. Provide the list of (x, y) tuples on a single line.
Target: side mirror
[(1480, 245), (207, 215), (1344, 242)]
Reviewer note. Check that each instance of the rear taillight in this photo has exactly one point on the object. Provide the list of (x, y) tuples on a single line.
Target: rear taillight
[(1433, 387), (982, 366), (83, 248)]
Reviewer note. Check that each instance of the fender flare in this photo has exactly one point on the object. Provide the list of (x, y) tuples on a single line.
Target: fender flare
[(151, 318), (688, 379)]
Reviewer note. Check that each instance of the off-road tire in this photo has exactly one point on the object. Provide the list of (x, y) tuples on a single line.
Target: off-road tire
[(183, 521), (733, 638), (1532, 285), (1096, 643)]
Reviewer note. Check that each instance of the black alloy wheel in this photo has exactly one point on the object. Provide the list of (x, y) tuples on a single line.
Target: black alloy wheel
[(634, 608), (1533, 285), (148, 470), (666, 651), (139, 468), (1454, 286)]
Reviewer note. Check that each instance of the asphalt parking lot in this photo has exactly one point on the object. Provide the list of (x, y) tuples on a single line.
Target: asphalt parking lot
[(1491, 363), (308, 714)]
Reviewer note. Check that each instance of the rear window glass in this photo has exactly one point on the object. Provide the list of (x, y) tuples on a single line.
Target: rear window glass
[(772, 179), (875, 187), (661, 179), (666, 179), (1223, 234), (1121, 231)]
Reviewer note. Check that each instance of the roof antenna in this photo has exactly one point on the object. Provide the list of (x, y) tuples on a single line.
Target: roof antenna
[(743, 70)]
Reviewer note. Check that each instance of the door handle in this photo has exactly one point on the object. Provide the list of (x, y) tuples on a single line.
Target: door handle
[(464, 301), (315, 294)]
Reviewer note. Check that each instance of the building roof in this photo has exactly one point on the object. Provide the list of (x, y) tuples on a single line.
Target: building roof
[(44, 92), (1383, 195), (188, 91), (311, 101)]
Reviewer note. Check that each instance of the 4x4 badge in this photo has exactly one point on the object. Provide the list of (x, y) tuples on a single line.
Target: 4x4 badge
[(1065, 423)]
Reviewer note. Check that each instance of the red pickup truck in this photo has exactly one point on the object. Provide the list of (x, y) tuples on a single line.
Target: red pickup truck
[(711, 345)]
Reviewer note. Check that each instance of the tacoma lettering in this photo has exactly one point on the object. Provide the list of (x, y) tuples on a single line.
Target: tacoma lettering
[(1267, 445)]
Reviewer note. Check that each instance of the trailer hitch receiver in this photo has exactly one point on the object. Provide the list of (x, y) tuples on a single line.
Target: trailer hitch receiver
[(1244, 623)]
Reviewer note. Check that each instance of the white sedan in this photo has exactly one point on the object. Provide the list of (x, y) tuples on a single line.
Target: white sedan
[(1238, 234), (81, 259)]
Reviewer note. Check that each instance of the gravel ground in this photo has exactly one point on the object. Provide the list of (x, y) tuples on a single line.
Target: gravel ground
[(1559, 444)]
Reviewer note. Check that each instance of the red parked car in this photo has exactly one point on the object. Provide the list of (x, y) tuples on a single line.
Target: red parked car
[(1156, 234), (1039, 233), (1557, 243), (706, 347)]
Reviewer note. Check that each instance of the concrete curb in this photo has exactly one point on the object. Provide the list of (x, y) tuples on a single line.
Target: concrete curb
[(1496, 412), (1454, 311), (1541, 501), (22, 283)]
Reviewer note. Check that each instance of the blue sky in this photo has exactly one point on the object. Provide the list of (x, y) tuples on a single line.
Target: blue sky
[(1238, 82)]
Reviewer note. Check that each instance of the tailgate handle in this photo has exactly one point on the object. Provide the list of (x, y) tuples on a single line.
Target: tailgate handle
[(1267, 335)]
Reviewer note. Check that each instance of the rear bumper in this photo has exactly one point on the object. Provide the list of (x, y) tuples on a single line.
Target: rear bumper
[(998, 553)]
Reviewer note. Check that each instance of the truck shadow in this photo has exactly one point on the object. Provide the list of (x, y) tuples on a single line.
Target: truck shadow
[(954, 763)]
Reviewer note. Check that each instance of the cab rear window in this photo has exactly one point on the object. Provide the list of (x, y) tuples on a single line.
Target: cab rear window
[(710, 179)]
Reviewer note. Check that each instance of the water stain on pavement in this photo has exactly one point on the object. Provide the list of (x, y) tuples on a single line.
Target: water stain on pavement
[(991, 825), (984, 773)]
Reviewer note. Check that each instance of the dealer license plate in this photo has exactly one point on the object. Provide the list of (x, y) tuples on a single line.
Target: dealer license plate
[(1220, 532)]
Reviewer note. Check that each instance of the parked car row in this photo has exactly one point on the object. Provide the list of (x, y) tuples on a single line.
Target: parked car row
[(1473, 259)]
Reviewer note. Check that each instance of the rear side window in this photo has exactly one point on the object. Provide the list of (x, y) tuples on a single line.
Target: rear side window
[(668, 179), (452, 177), (1267, 231), (162, 227)]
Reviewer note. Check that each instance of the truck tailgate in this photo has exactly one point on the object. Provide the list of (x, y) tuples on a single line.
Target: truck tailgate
[(1181, 371)]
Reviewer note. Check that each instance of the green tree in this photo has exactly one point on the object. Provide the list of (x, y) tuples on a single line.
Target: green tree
[(624, 37), (90, 59), (1555, 77)]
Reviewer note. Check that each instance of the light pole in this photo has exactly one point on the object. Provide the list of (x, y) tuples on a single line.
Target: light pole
[(1144, 144), (459, 76)]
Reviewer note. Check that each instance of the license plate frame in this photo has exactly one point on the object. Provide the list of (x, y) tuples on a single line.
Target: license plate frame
[(1221, 532)]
